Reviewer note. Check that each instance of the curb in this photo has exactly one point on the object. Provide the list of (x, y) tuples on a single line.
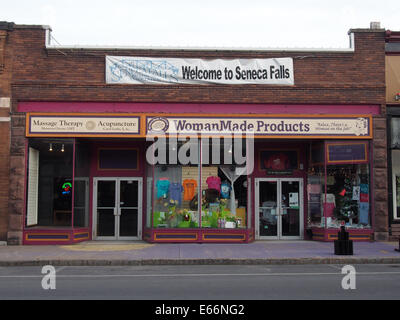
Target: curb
[(269, 261)]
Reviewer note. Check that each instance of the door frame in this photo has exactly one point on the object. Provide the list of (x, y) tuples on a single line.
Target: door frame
[(279, 208), (117, 207)]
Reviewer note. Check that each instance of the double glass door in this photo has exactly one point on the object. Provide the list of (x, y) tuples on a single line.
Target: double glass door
[(117, 208), (279, 208)]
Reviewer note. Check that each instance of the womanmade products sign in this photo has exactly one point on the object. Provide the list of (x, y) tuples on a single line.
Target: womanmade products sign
[(141, 70), (263, 126)]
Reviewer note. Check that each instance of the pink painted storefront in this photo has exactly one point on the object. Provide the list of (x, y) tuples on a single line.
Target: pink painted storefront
[(84, 184)]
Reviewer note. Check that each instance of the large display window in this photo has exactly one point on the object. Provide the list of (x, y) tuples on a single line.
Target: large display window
[(339, 186), (57, 194), (224, 201), (175, 196), (175, 185), (224, 184), (210, 190), (50, 183)]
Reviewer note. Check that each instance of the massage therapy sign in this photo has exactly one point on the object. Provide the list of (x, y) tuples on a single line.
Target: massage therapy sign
[(286, 126)]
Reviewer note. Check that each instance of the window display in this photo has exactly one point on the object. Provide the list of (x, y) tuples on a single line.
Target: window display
[(224, 204), (186, 197), (225, 192), (175, 202), (338, 185), (349, 195), (346, 200)]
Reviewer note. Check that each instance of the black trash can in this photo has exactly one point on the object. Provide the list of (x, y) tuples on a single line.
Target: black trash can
[(343, 246)]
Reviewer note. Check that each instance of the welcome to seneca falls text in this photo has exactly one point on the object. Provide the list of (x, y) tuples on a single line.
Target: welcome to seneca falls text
[(189, 73)]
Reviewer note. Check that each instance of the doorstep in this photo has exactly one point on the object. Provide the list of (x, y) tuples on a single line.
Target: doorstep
[(109, 242)]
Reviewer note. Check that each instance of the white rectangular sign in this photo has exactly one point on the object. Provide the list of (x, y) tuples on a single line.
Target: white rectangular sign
[(81, 125), (144, 70), (261, 126), (293, 200)]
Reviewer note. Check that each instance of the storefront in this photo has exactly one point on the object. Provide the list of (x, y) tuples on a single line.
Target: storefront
[(392, 49), (147, 176), (197, 145), (394, 170)]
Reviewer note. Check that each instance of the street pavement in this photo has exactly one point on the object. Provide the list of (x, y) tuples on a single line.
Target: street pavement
[(234, 284), (101, 253)]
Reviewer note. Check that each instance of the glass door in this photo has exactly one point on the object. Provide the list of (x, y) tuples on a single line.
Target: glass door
[(291, 209), (279, 208), (117, 210), (268, 208), (106, 208), (128, 211)]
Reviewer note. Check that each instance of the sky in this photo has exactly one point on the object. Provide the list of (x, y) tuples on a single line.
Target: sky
[(203, 23)]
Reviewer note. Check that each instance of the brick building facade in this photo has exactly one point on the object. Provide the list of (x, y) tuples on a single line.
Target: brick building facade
[(44, 79), (392, 48), (5, 100)]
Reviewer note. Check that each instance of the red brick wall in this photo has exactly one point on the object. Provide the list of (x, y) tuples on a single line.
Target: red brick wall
[(41, 74), (4, 176), (78, 75), (5, 77), (380, 183)]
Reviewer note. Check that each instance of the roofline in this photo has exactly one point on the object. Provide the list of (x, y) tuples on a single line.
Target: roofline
[(5, 25), (29, 26), (163, 48), (122, 48), (392, 36)]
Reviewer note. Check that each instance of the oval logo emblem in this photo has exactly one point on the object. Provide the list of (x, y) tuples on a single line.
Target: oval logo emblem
[(158, 125), (90, 125)]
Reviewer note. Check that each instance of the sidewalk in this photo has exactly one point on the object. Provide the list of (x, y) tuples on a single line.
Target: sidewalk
[(142, 253)]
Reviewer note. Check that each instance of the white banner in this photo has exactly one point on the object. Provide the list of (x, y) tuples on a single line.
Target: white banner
[(141, 70)]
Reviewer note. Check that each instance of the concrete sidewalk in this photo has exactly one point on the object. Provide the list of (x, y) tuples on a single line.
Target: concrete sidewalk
[(142, 253)]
